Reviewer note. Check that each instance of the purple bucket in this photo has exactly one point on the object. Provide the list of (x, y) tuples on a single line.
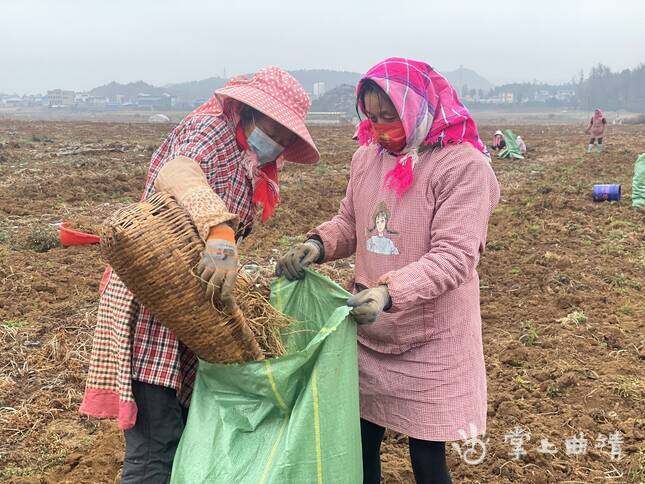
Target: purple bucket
[(606, 192)]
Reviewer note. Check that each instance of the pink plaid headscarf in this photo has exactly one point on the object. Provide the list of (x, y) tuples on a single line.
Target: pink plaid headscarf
[(430, 111)]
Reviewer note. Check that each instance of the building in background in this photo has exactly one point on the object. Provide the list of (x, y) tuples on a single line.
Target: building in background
[(13, 102), (507, 97), (542, 96), (84, 100), (327, 117), (565, 95), (60, 97), (33, 100), (319, 89), (81, 98), (165, 101), (97, 100)]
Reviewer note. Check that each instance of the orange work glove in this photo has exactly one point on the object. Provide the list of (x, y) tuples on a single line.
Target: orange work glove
[(218, 265)]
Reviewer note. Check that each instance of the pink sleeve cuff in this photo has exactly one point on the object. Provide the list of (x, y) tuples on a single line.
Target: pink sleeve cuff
[(335, 244), (395, 289)]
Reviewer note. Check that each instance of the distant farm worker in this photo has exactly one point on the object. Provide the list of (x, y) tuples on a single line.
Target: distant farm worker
[(498, 140), (521, 144), (420, 193), (221, 164), (596, 129)]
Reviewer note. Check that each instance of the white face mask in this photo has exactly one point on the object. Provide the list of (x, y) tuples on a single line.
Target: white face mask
[(264, 146)]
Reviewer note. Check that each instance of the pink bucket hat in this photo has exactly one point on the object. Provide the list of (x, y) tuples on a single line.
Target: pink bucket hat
[(277, 94)]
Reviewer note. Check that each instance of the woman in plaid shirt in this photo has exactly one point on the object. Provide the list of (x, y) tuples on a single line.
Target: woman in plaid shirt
[(220, 163), (416, 212)]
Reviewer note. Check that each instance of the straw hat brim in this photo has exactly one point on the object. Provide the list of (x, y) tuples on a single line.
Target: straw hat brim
[(303, 150)]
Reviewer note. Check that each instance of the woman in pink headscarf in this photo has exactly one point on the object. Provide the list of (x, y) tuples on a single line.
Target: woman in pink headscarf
[(596, 129), (416, 212)]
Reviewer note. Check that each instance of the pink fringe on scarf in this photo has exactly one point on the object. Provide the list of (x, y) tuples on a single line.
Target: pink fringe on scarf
[(401, 177)]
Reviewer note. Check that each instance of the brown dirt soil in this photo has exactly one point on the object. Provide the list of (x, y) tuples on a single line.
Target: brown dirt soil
[(561, 288)]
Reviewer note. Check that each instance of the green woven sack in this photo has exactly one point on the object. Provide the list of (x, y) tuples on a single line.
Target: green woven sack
[(512, 149), (292, 419), (638, 183)]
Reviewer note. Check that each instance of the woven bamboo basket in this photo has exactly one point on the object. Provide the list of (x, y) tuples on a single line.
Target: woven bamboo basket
[(154, 247)]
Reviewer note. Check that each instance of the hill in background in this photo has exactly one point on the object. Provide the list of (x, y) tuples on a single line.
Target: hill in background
[(129, 90), (339, 86), (466, 77), (339, 99), (307, 77), (192, 90), (332, 79)]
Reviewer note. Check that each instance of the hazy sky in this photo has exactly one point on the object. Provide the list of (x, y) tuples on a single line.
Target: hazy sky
[(84, 43)]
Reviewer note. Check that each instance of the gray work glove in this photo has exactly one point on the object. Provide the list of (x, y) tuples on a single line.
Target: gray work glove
[(218, 271), (369, 304), (292, 265)]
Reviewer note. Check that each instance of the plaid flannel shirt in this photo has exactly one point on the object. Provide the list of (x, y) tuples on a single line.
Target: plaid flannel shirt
[(157, 356)]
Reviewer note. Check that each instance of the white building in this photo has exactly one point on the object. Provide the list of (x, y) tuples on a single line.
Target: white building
[(81, 98), (507, 98), (565, 95), (60, 97), (319, 89), (13, 102)]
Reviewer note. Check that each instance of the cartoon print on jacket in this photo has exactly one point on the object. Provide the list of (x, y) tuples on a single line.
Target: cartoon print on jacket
[(379, 243)]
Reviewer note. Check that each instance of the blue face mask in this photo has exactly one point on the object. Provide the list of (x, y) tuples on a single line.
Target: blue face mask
[(264, 146)]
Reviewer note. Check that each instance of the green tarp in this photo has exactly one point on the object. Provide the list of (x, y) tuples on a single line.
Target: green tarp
[(638, 182), (512, 149), (293, 419)]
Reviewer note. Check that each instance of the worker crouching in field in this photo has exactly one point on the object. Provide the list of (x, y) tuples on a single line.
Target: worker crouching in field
[(415, 214), (220, 163), (498, 140), (596, 129)]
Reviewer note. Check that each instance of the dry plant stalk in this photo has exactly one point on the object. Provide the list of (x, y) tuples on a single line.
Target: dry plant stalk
[(252, 296)]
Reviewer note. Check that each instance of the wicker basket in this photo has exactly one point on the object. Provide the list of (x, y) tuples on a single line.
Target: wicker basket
[(153, 247)]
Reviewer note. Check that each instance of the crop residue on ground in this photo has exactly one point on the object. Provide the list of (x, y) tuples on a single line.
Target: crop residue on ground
[(561, 287)]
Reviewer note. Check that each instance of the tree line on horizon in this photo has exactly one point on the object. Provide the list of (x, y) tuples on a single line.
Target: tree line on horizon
[(613, 90), (624, 90)]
